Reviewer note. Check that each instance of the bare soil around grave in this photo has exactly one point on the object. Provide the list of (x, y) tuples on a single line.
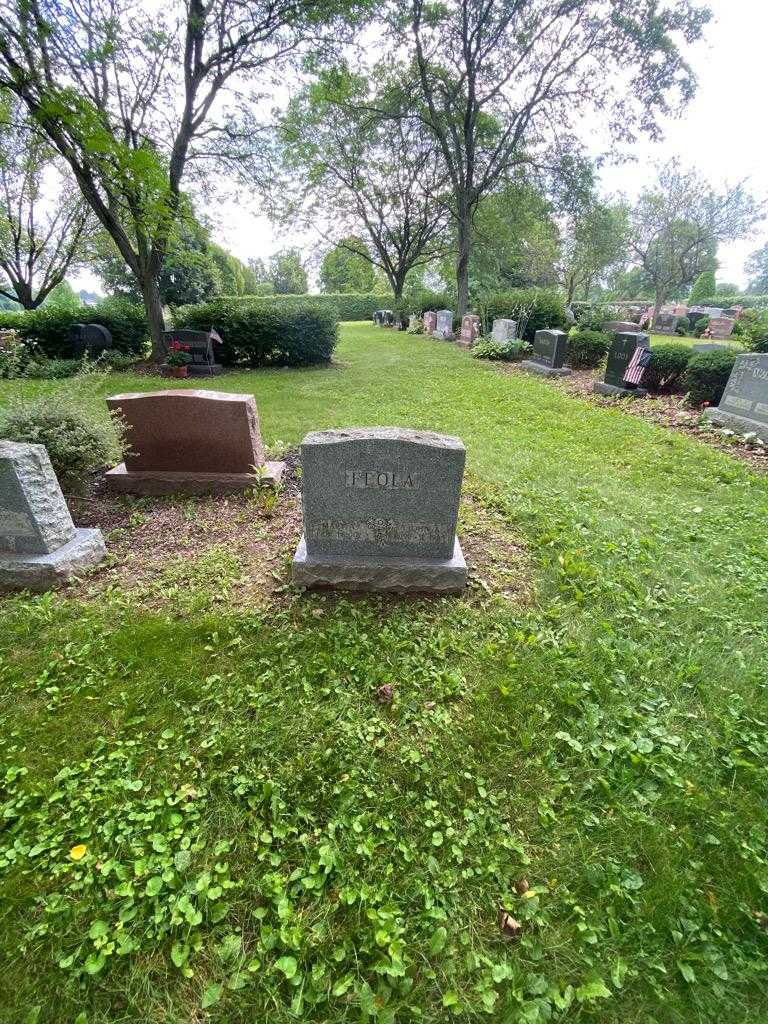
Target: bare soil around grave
[(236, 550), (668, 411)]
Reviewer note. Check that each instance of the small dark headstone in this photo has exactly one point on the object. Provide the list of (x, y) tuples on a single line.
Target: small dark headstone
[(550, 351), (665, 323), (90, 340), (744, 405)]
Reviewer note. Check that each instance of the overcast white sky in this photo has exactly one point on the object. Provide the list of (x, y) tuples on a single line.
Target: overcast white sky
[(722, 134)]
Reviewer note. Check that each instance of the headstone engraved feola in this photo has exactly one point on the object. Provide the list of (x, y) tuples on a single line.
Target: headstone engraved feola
[(504, 330), (744, 405), (627, 357), (40, 546), (190, 442), (380, 510), (550, 351), (444, 328)]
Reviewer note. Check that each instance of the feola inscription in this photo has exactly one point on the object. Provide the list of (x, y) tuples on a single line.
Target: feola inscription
[(381, 492), (378, 478), (746, 392)]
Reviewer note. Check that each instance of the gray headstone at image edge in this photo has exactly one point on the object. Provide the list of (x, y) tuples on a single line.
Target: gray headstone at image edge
[(39, 544), (34, 518), (380, 510), (744, 405), (444, 327)]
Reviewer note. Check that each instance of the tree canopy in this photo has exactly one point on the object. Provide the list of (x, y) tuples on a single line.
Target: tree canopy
[(347, 267)]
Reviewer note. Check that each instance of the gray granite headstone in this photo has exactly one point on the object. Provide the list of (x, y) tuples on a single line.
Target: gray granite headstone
[(624, 326), (550, 351), (744, 405), (444, 327), (621, 351), (665, 323), (39, 544), (380, 510), (504, 330)]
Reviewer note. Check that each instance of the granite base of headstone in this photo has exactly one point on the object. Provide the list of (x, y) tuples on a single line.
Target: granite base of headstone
[(380, 510), (444, 327), (40, 547), (744, 405), (620, 354), (190, 442), (550, 351)]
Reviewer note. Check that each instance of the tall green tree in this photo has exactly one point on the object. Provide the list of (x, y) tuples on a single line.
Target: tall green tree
[(347, 267), (593, 241), (131, 100), (287, 273), (506, 84), (676, 225), (45, 225), (703, 287), (355, 168), (757, 268)]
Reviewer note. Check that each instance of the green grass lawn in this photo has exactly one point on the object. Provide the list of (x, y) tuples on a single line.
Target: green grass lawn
[(264, 841)]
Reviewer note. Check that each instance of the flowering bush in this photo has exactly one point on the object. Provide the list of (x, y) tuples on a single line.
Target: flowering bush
[(178, 354)]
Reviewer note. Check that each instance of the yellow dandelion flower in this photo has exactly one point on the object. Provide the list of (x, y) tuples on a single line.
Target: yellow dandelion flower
[(78, 852)]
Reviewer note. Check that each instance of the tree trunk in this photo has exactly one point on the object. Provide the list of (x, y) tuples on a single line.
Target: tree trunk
[(154, 309), (462, 263), (659, 302)]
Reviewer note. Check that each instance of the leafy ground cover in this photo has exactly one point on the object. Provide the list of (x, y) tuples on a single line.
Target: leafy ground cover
[(210, 812)]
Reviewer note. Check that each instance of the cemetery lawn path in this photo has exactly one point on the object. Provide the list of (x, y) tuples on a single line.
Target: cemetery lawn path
[(207, 815)]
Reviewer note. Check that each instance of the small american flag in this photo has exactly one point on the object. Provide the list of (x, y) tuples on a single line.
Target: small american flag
[(637, 364)]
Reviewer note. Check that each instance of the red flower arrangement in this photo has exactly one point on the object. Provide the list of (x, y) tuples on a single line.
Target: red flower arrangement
[(178, 354)]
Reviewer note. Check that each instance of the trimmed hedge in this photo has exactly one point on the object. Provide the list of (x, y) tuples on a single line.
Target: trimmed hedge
[(667, 367), (48, 327), (265, 333), (546, 310), (345, 307), (587, 349), (707, 374), (724, 301)]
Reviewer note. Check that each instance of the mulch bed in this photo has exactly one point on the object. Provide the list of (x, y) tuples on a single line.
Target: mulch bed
[(669, 411), (236, 550)]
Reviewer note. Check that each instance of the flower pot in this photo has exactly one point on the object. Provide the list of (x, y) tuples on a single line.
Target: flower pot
[(179, 371)]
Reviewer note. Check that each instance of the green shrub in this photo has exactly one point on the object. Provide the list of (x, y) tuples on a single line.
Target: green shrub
[(13, 354), (752, 330), (703, 285), (78, 441), (52, 369), (700, 326), (47, 328), (344, 307), (707, 374), (587, 349), (667, 367), (590, 316), (266, 333), (508, 351), (724, 301), (111, 359), (535, 309)]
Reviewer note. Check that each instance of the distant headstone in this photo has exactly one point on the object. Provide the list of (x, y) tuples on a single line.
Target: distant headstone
[(190, 442), (706, 346), (89, 339), (744, 405), (430, 322), (40, 546), (550, 351), (470, 329), (504, 330), (665, 323), (413, 322), (614, 326), (444, 328), (380, 510), (378, 317), (620, 364), (721, 327), (199, 347)]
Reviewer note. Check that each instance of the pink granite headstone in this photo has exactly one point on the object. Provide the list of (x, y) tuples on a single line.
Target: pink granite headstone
[(189, 441), (470, 329), (430, 322)]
